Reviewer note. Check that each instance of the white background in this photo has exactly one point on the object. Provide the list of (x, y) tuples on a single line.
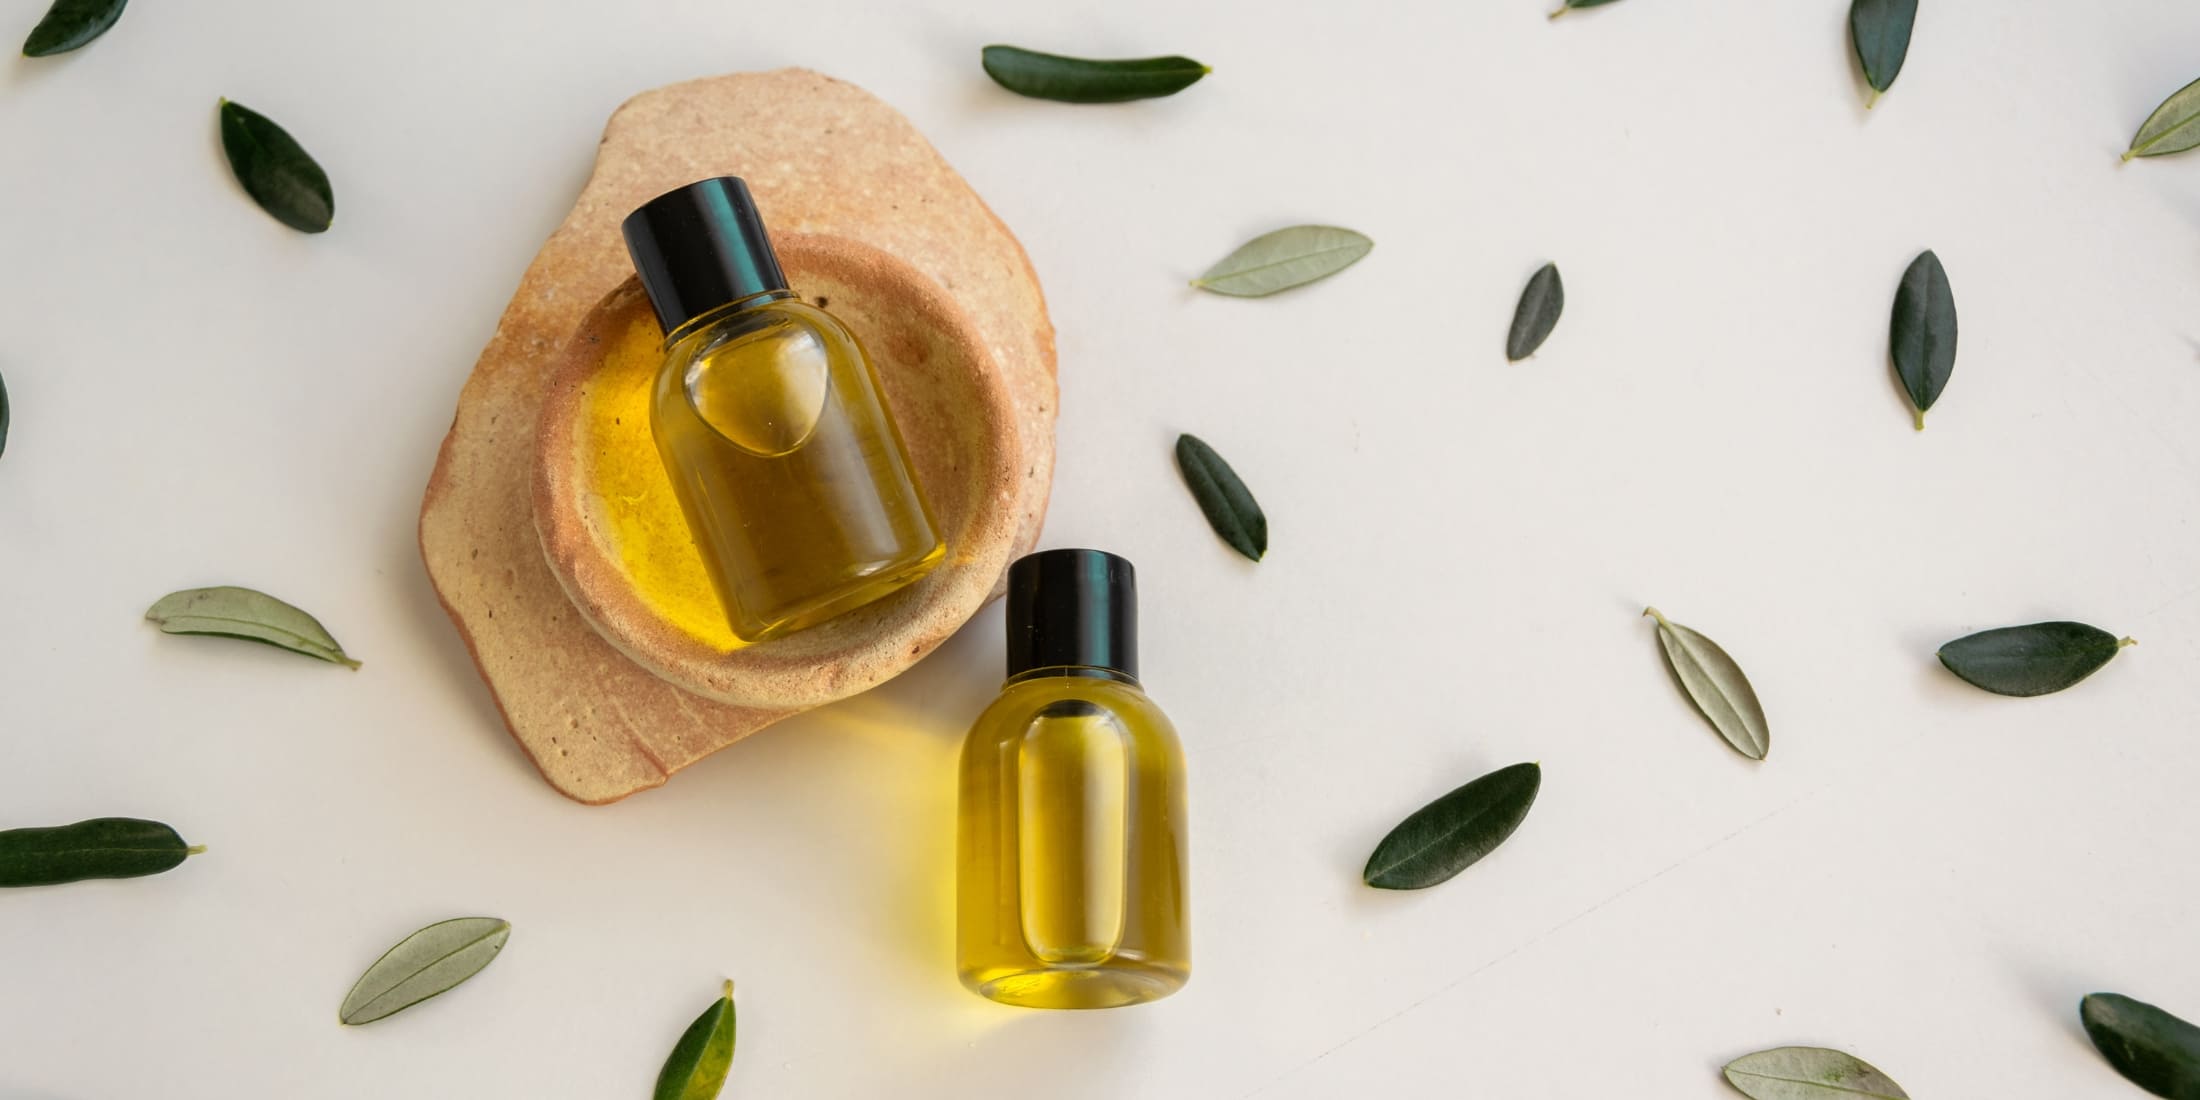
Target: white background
[(1923, 874)]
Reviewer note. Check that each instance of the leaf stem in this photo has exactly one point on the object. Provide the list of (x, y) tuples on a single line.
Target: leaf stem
[(195, 850), (1652, 612), (1917, 417), (2127, 642), (729, 989), (1562, 9), (1871, 100)]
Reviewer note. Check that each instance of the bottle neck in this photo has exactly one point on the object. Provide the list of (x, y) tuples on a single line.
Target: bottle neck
[(712, 316), (1092, 672)]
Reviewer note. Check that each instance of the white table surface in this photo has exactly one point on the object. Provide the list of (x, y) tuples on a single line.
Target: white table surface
[(1922, 874)]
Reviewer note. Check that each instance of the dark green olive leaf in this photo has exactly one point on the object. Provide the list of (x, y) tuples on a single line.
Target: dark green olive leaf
[(1077, 80), (231, 612), (426, 963), (1716, 685), (1880, 31), (1809, 1073), (2173, 127), (696, 1069), (1570, 5), (2038, 659), (1923, 337), (2151, 1048), (70, 24), (1227, 503), (1283, 259), (275, 170), (3, 416), (1535, 317), (1447, 836), (104, 847)]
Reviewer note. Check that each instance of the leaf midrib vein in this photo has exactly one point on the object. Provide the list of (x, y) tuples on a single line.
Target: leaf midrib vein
[(430, 965), (1244, 271), (1835, 1089)]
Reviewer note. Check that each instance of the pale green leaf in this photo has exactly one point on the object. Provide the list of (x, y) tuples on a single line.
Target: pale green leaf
[(424, 964), (1284, 259)]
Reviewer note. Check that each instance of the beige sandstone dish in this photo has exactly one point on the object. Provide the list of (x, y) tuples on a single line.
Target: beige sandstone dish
[(825, 159)]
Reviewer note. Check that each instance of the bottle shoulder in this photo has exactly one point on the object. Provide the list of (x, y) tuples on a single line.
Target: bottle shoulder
[(1020, 702), (788, 321)]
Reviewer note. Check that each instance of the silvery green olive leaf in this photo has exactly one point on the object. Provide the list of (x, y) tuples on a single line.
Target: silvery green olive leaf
[(2037, 659), (1570, 5), (104, 847), (2151, 1048), (1284, 259), (426, 963), (1880, 31), (70, 24), (1078, 80), (231, 612), (1225, 501), (697, 1067), (275, 170), (1447, 836), (1537, 314), (1716, 685), (1922, 340), (1809, 1073), (2173, 127)]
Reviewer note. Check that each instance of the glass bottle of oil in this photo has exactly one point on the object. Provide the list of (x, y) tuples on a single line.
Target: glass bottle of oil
[(1071, 872), (767, 414)]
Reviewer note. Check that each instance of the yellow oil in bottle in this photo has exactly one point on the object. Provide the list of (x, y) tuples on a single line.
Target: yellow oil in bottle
[(1072, 887), (791, 474), (1071, 849), (787, 465)]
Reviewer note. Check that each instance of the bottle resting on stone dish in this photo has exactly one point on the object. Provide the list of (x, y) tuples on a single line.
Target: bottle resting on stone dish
[(767, 414)]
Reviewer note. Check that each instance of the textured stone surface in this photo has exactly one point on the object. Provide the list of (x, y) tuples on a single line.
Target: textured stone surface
[(823, 157)]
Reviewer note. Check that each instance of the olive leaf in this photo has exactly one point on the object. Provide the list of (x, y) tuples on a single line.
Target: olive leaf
[(1283, 259), (1880, 31), (2173, 127), (1078, 80), (103, 847), (426, 963), (1716, 685), (1537, 314), (2037, 659), (3, 416), (231, 612), (1809, 1073), (1570, 5), (1227, 503), (696, 1068), (1447, 836), (70, 24), (2151, 1048), (275, 170), (1922, 338)]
